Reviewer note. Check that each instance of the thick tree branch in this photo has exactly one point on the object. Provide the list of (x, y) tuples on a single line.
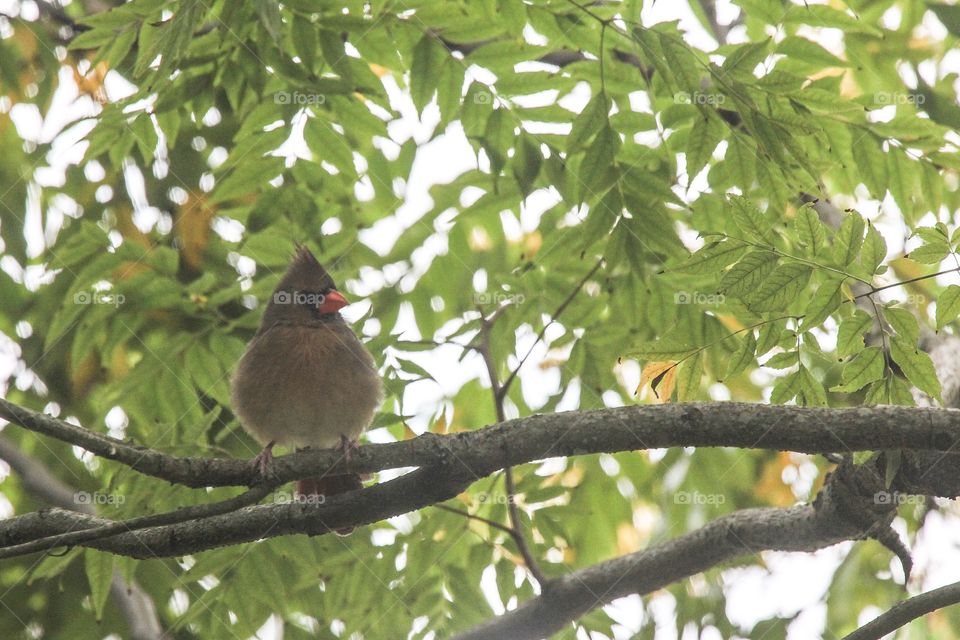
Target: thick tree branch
[(803, 528), (514, 442)]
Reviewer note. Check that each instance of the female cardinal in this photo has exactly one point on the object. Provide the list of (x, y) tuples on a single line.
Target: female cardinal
[(305, 379)]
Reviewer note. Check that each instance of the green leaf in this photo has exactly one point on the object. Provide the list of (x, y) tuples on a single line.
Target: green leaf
[(498, 137), (269, 14), (706, 134), (99, 567), (861, 370), (80, 296), (743, 357), (903, 321), (326, 143), (249, 176), (849, 239), (809, 53), (206, 372), (742, 160), (171, 39), (663, 349), (748, 274), (712, 257), (810, 230), (948, 306), (916, 365), (770, 335), (850, 336), (826, 299), (52, 566), (748, 218), (874, 250), (476, 110), (597, 173), (819, 15), (588, 122), (304, 35), (425, 69), (450, 88), (689, 373), (781, 288), (811, 389), (935, 247), (783, 360), (872, 162), (745, 58), (683, 63), (526, 163), (787, 388)]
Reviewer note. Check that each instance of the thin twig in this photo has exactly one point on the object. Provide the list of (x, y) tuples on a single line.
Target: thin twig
[(874, 290), (472, 516), (483, 348), (904, 612), (553, 318), (184, 514)]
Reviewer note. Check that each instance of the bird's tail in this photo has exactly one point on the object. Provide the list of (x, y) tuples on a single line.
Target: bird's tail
[(319, 489)]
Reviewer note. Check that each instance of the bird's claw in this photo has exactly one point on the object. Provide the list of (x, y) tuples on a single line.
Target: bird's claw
[(347, 446), (263, 460)]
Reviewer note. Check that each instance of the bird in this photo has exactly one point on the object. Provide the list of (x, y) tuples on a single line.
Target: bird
[(305, 379)]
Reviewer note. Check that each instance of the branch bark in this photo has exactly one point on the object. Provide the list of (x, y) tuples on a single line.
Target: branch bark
[(515, 442), (902, 613), (449, 464)]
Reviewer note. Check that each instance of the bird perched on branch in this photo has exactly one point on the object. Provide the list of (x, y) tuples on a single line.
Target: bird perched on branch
[(305, 379)]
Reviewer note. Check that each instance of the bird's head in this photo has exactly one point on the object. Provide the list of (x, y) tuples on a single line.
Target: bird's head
[(306, 293)]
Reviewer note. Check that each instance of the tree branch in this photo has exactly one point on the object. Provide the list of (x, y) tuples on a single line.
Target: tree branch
[(803, 528), (184, 514), (514, 442), (902, 613), (409, 492)]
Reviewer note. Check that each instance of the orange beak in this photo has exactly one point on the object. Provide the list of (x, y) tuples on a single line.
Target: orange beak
[(332, 302)]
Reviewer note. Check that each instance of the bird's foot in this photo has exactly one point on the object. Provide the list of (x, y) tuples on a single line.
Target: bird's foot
[(347, 447), (264, 459)]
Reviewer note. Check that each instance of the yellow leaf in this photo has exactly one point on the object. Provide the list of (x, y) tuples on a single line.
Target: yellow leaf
[(732, 323), (192, 229), (771, 487), (440, 424), (662, 377)]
